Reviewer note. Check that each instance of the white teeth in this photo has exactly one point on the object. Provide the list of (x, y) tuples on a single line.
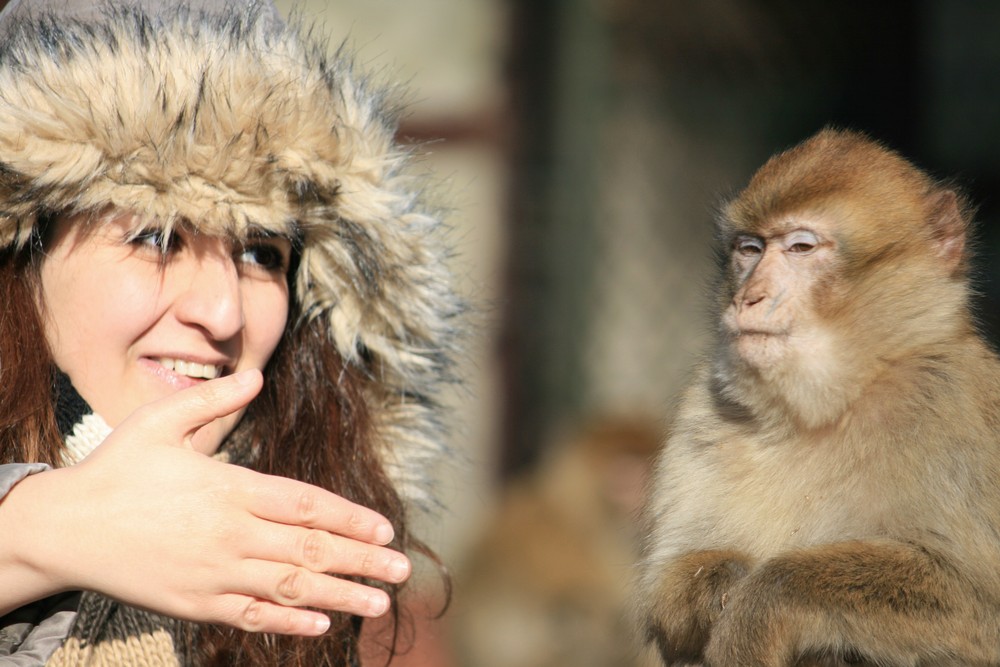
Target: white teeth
[(191, 368)]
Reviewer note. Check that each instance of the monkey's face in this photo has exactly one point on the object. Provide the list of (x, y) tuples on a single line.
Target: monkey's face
[(841, 259), (775, 277)]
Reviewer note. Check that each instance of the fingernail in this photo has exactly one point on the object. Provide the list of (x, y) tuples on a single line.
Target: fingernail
[(378, 604), (399, 569), (244, 378), (322, 624), (384, 534)]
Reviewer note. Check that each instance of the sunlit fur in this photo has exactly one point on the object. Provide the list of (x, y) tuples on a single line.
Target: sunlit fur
[(834, 495)]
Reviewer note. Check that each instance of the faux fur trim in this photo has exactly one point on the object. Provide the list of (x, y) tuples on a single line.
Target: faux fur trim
[(232, 122)]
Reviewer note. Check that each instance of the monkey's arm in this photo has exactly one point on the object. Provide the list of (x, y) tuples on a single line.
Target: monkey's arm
[(893, 603), (688, 596)]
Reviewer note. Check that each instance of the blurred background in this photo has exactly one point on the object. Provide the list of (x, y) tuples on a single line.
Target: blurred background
[(582, 146)]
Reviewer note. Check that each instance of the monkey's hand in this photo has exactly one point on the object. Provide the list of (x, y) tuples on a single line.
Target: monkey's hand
[(887, 602), (691, 593)]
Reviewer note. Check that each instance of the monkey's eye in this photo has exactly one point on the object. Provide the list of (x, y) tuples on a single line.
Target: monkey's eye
[(748, 246), (801, 242)]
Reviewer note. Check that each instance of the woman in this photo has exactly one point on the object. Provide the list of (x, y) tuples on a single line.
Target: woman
[(213, 266)]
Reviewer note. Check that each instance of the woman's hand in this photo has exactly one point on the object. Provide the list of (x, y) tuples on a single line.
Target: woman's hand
[(148, 520)]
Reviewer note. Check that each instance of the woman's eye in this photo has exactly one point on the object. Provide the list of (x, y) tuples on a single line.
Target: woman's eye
[(268, 256), (154, 238)]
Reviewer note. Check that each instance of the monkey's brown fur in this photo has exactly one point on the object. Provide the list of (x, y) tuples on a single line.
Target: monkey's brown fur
[(830, 490)]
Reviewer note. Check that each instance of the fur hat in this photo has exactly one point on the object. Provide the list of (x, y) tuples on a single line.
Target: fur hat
[(221, 115)]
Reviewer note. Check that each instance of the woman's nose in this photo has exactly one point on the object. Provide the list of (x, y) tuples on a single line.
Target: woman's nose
[(210, 297)]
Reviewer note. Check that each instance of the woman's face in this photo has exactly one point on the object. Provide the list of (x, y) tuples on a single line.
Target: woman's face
[(130, 322)]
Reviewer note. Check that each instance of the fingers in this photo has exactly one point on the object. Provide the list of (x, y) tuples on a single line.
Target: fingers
[(319, 551), (185, 411), (278, 594), (292, 586), (294, 503), (256, 615)]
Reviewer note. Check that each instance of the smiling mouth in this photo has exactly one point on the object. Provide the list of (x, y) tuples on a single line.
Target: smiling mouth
[(191, 369)]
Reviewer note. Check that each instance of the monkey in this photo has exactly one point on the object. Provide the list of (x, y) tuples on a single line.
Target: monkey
[(545, 583), (829, 489)]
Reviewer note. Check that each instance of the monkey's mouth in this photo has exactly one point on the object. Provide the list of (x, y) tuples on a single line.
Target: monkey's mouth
[(760, 346), (747, 333)]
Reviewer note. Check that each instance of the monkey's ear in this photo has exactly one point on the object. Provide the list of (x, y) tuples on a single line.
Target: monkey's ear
[(948, 229)]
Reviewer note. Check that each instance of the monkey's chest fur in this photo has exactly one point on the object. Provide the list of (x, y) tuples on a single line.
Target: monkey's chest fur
[(725, 487), (764, 501)]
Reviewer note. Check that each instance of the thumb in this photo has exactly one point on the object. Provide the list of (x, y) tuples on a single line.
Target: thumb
[(180, 415)]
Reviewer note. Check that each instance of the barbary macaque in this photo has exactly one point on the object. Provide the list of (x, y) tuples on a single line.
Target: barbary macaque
[(830, 490)]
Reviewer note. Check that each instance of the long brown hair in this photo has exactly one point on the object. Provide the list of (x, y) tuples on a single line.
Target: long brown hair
[(310, 423), (28, 431)]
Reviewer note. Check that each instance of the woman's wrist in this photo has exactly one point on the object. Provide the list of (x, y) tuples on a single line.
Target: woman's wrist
[(31, 539)]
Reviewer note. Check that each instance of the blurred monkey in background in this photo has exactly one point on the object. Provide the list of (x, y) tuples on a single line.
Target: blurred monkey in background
[(830, 490), (547, 584)]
